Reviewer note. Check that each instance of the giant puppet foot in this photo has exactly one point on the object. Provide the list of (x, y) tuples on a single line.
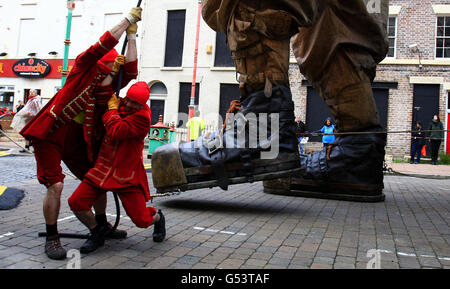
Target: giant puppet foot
[(351, 170), (258, 143)]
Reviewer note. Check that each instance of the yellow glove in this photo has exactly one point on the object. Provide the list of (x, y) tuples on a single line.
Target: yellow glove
[(135, 15), (120, 60), (132, 29), (113, 102)]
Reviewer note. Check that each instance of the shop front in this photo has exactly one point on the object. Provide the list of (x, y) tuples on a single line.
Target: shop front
[(19, 76)]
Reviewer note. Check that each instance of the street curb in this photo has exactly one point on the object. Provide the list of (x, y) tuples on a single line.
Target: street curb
[(422, 176)]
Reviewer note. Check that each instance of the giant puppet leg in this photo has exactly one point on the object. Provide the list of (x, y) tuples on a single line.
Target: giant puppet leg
[(258, 141), (352, 168)]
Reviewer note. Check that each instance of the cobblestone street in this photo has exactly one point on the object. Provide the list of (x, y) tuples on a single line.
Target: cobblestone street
[(244, 228)]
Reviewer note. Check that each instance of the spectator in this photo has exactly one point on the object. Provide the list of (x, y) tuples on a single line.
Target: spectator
[(33, 106), (328, 128), (195, 125), (301, 128), (19, 106), (436, 137), (417, 143)]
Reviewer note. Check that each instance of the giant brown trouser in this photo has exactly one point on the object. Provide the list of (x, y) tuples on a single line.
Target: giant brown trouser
[(337, 44)]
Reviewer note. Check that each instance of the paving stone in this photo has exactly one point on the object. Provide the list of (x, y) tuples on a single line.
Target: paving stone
[(256, 262), (323, 260), (321, 266), (161, 262), (201, 265), (328, 254), (279, 261), (178, 252), (190, 244), (231, 264), (339, 265), (267, 249), (347, 252), (215, 258), (429, 262), (190, 260)]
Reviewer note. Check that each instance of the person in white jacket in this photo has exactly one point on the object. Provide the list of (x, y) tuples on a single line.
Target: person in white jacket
[(31, 108)]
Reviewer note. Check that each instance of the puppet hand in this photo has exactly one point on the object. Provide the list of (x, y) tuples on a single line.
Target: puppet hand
[(135, 15), (120, 60), (113, 102), (132, 29)]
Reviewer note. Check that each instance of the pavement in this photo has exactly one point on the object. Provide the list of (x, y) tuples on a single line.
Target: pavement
[(422, 170), (245, 228)]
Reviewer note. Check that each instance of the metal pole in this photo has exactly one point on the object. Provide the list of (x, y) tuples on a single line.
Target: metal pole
[(194, 76), (65, 72)]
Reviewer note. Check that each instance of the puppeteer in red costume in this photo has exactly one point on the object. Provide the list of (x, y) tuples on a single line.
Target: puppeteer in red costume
[(69, 127), (119, 168), (82, 94)]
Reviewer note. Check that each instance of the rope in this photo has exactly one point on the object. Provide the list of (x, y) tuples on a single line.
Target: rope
[(374, 132), (396, 173)]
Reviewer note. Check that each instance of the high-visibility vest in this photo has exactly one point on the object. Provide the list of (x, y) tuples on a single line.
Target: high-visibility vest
[(195, 126)]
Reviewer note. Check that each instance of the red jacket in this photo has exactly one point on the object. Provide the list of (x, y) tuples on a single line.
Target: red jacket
[(80, 84), (119, 166)]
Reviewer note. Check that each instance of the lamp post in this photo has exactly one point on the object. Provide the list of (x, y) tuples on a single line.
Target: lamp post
[(65, 72), (194, 76)]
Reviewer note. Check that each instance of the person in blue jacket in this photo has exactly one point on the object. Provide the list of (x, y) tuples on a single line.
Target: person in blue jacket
[(328, 128)]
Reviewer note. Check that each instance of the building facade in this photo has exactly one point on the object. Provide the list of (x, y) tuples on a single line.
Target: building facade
[(36, 29), (412, 83)]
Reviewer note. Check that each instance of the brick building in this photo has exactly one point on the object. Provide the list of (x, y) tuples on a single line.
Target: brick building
[(412, 83)]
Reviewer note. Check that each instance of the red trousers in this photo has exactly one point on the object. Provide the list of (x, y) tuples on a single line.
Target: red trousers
[(64, 144), (134, 203)]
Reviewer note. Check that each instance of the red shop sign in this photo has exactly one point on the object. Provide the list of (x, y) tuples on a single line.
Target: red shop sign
[(31, 68), (23, 68)]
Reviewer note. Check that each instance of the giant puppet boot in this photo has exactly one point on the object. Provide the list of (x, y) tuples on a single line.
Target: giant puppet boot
[(258, 141), (352, 167)]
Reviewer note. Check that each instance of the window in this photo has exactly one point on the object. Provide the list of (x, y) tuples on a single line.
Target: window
[(158, 92), (223, 53), (443, 37), (185, 101), (175, 38), (27, 37), (392, 35), (228, 93), (6, 96)]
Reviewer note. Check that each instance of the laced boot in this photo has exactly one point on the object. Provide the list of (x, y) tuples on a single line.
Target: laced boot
[(95, 240), (54, 249), (237, 154), (258, 142)]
